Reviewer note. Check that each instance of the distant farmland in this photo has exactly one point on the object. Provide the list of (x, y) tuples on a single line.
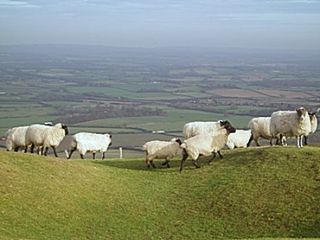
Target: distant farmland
[(118, 90)]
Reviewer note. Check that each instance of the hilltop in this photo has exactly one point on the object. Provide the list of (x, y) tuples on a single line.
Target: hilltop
[(251, 193)]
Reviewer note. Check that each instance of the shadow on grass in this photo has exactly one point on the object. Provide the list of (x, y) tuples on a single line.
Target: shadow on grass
[(140, 165), (236, 157)]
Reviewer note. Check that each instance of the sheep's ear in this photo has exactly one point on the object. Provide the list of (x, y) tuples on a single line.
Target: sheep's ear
[(110, 135)]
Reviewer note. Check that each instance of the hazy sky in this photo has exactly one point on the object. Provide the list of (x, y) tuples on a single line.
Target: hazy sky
[(156, 23)]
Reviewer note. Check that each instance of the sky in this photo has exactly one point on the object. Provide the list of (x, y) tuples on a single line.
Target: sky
[(268, 24)]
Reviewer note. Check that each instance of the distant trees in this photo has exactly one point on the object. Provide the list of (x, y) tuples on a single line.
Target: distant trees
[(72, 115)]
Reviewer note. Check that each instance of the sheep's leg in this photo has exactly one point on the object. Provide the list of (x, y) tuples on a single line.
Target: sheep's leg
[(103, 155), (26, 149), (71, 151), (220, 154), (32, 148), (152, 164), (147, 162), (195, 163), (257, 143), (305, 140), (298, 141), (166, 163), (213, 157), (93, 155), (81, 155), (301, 141), (46, 151), (250, 140), (184, 157), (284, 140), (40, 150), (270, 142), (16, 149), (54, 150)]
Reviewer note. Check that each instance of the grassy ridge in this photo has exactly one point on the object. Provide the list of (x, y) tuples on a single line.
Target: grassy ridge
[(265, 192)]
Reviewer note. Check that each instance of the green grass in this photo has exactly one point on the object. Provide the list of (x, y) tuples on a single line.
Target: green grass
[(252, 193)]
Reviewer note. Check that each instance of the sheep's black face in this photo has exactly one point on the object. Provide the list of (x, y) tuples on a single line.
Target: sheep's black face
[(179, 141), (312, 114), (227, 125), (66, 130)]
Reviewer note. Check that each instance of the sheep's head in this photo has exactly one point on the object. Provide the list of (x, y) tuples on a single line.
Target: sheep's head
[(227, 125), (312, 113), (179, 141), (109, 136), (313, 116), (302, 113), (66, 130)]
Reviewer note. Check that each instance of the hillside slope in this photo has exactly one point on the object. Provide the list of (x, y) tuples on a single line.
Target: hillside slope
[(257, 192)]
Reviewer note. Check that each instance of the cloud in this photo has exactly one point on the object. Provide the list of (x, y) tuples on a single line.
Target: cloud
[(17, 4)]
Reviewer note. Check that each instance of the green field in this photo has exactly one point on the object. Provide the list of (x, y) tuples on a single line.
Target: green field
[(251, 193)]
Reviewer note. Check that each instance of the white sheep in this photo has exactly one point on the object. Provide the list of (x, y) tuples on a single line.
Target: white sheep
[(161, 150), (314, 125), (238, 139), (16, 138), (90, 142), (291, 124), (192, 129), (44, 136), (260, 128), (205, 144)]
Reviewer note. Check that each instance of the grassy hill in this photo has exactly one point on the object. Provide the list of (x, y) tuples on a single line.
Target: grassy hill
[(251, 193)]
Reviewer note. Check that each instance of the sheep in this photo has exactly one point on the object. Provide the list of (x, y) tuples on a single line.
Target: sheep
[(161, 149), (205, 144), (314, 125), (44, 136), (260, 127), (90, 142), (192, 129), (291, 124), (16, 138), (238, 139)]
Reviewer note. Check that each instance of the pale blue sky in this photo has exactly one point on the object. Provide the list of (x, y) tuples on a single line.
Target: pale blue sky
[(293, 24)]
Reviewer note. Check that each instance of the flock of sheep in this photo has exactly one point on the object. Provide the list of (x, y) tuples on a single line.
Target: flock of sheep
[(200, 138)]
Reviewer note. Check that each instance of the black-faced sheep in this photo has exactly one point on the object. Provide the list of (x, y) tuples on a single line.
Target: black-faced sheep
[(206, 144)]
